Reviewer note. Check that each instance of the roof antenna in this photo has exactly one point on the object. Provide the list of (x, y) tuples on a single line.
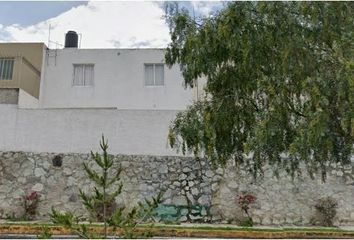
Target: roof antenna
[(49, 36)]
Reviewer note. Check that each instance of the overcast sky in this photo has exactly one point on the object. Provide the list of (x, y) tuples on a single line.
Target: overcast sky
[(102, 24)]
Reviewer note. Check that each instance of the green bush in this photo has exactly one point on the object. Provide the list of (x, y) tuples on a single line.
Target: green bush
[(248, 222), (326, 210)]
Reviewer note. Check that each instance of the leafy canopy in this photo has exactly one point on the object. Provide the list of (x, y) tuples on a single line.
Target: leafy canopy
[(279, 84)]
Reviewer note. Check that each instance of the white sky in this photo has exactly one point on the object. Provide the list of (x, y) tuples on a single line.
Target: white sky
[(103, 25)]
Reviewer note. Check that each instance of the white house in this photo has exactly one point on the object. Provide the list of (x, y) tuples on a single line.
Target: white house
[(111, 78), (129, 95)]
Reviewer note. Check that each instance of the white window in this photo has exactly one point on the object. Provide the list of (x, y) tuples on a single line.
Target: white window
[(6, 68), (83, 75), (154, 74)]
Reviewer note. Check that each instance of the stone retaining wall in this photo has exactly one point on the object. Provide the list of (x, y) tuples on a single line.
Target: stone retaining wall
[(193, 191)]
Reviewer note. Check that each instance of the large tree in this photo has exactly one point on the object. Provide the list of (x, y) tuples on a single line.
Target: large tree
[(279, 84)]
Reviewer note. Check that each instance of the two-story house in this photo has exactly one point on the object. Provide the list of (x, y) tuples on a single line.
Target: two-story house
[(62, 100)]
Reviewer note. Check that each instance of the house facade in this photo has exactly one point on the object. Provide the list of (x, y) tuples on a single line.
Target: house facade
[(63, 100), (112, 78), (92, 78)]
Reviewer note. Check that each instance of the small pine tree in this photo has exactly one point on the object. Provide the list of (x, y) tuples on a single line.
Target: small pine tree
[(108, 186), (103, 183)]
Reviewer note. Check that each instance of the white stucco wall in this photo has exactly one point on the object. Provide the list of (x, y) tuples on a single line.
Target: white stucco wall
[(26, 100), (118, 81), (79, 130)]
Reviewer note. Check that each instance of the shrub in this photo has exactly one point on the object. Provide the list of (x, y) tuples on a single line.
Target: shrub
[(245, 200), (30, 204), (248, 222), (326, 210)]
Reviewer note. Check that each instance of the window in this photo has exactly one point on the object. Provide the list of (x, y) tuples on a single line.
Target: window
[(6, 68), (83, 75), (154, 74)]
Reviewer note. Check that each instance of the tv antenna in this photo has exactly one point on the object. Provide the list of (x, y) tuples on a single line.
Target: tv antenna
[(50, 41)]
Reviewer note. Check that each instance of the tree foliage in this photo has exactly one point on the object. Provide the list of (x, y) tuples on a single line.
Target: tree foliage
[(279, 84)]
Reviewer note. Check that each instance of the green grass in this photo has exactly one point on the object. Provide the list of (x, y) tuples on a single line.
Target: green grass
[(209, 228), (255, 228)]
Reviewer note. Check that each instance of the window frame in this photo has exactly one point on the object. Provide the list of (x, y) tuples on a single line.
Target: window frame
[(93, 74), (12, 60), (154, 71)]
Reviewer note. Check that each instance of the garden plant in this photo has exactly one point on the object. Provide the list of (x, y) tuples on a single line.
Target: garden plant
[(245, 200), (30, 205), (108, 188)]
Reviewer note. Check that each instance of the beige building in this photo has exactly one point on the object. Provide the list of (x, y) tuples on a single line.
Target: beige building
[(20, 70)]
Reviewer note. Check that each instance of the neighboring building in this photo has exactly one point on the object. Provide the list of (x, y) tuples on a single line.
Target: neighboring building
[(20, 72)]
